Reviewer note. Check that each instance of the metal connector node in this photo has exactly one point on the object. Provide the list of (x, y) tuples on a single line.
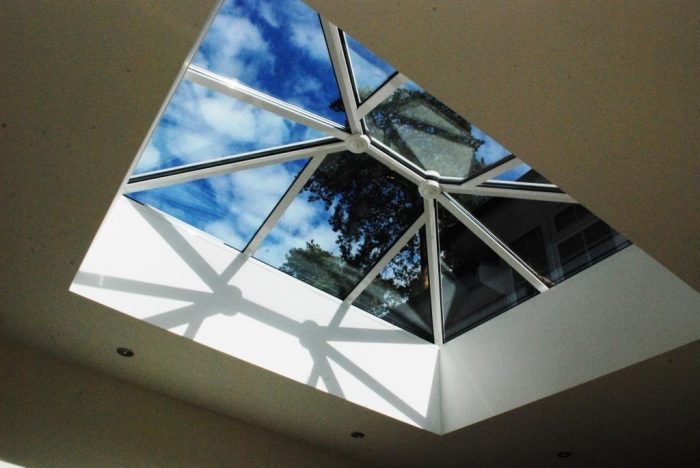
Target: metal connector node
[(357, 143)]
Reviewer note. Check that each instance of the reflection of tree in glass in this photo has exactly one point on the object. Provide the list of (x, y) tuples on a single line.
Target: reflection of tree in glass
[(401, 293), (370, 207), (319, 267)]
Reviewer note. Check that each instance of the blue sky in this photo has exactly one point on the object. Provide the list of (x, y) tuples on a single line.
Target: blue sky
[(230, 207), (279, 49), (369, 71), (274, 46), (199, 125), (514, 174)]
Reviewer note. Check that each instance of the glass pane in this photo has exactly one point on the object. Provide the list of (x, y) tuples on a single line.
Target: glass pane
[(431, 135), (370, 71), (275, 47), (523, 173), (231, 207), (557, 240), (200, 125), (400, 294), (348, 214), (476, 283)]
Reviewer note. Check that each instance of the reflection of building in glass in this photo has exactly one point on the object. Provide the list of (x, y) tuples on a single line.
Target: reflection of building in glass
[(556, 240)]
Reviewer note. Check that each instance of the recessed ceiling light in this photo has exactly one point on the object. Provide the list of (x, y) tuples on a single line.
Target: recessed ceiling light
[(563, 454), (125, 352), (357, 435)]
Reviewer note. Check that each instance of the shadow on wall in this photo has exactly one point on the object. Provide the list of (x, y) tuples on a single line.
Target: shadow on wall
[(228, 300)]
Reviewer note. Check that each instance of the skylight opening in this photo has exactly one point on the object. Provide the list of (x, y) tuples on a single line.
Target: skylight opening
[(293, 143)]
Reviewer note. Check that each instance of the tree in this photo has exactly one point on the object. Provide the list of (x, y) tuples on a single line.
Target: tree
[(371, 206)]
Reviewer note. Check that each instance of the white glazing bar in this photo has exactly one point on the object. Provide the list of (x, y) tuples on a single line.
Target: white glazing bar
[(491, 173), (226, 165), (237, 90), (393, 164), (512, 193), (502, 250), (283, 204), (342, 74), (381, 94), (386, 258), (434, 268)]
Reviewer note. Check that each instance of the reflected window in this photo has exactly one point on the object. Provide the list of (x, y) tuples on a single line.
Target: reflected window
[(276, 47), (230, 207), (347, 216), (556, 240), (400, 294), (476, 283), (201, 125), (431, 136)]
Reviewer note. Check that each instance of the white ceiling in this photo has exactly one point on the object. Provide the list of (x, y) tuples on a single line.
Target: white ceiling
[(598, 97)]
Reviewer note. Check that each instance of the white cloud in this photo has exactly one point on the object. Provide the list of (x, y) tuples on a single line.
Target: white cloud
[(308, 85), (372, 76), (206, 125), (222, 229), (229, 40), (303, 221), (228, 116), (150, 158), (268, 14), (307, 37)]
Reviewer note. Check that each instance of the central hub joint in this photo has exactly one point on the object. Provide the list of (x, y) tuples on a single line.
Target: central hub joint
[(357, 143), (430, 187)]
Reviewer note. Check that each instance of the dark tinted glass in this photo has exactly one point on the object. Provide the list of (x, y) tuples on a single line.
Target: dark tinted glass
[(555, 239), (476, 283), (370, 71), (401, 293), (432, 136), (230, 207), (276, 47), (200, 125), (346, 217)]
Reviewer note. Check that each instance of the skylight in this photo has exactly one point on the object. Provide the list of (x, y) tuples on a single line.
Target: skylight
[(291, 142)]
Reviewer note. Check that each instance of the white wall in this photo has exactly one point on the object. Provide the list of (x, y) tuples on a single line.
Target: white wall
[(175, 277), (625, 309)]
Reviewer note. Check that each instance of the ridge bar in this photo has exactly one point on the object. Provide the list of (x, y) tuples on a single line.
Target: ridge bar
[(336, 48), (226, 165), (386, 258), (283, 204)]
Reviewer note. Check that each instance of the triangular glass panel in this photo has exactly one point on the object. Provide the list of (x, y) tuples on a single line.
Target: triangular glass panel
[(476, 283), (400, 294), (369, 71), (431, 136), (230, 207), (557, 240), (200, 125), (347, 216), (522, 173), (277, 48)]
